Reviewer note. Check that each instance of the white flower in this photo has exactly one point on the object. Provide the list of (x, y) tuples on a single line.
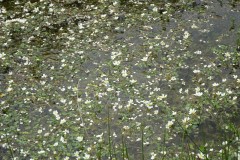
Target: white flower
[(39, 131), (186, 35), (229, 91), (55, 113), (76, 154), (55, 144), (170, 123), (227, 54), (165, 12), (44, 76), (173, 78), (110, 89), (174, 113), (62, 121), (186, 119), (126, 127), (80, 139), (115, 54), (198, 94), (201, 155), (115, 3), (9, 89), (144, 59), (80, 26), (46, 134), (41, 152), (148, 104), (133, 81), (42, 82), (2, 56), (2, 10), (192, 111), (196, 71), (215, 84), (116, 63), (163, 152), (27, 62), (23, 20), (36, 10), (210, 77), (86, 156), (124, 73), (71, 38), (11, 81), (88, 101), (66, 158), (162, 97), (99, 136), (62, 100), (153, 155), (180, 90), (194, 26), (198, 52), (147, 27), (155, 9), (62, 139), (89, 149), (224, 143)]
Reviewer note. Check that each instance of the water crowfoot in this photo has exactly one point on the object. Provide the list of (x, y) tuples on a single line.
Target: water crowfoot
[(101, 79)]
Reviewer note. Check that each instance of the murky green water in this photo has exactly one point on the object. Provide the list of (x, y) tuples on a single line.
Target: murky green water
[(123, 70)]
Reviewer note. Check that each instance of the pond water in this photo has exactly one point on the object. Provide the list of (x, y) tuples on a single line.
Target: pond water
[(119, 79)]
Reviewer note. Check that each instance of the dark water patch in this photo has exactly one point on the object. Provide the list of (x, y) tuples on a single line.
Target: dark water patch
[(186, 74), (5, 153), (5, 69), (34, 1), (8, 4), (79, 4), (208, 130)]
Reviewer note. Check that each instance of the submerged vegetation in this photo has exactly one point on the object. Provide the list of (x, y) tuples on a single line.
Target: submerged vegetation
[(122, 79)]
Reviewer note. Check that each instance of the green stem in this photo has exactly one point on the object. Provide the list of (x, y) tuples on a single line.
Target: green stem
[(109, 135), (142, 143), (100, 152), (185, 132), (123, 146), (127, 156), (10, 148)]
